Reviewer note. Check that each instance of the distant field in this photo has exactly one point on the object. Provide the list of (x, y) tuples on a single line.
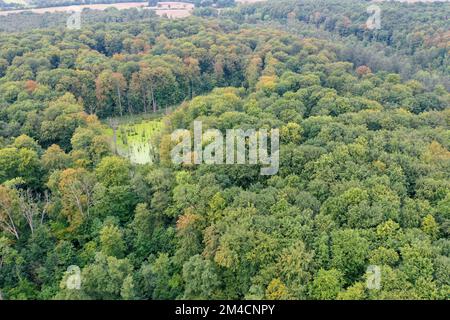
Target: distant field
[(170, 13), (249, 1), (133, 140), (120, 6), (15, 1), (173, 13)]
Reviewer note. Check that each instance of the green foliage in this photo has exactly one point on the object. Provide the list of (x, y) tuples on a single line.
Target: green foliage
[(111, 241), (349, 253), (364, 159), (201, 279), (113, 171), (327, 284)]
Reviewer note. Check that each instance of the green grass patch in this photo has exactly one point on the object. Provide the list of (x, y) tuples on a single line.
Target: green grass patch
[(133, 138)]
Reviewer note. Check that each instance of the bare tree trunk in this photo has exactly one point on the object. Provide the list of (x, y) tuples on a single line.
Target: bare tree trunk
[(44, 210), (153, 99), (114, 125), (77, 199), (144, 100), (120, 100), (130, 108), (7, 223), (92, 108), (29, 208)]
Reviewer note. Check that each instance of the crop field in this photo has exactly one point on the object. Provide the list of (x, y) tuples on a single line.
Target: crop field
[(72, 8)]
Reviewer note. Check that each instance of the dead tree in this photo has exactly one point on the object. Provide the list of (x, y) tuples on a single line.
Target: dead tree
[(7, 209), (30, 209)]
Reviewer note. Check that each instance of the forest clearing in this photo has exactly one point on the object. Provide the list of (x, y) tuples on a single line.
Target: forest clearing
[(134, 139)]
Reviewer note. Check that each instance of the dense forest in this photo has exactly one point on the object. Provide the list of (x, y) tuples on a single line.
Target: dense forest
[(413, 38), (364, 161)]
